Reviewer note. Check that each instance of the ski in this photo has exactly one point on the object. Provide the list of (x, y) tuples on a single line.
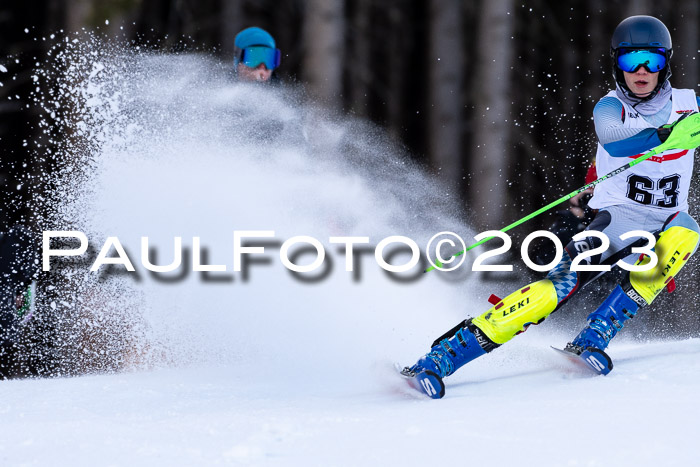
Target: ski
[(426, 382), (592, 358)]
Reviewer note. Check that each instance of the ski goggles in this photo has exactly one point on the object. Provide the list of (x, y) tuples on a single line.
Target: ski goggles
[(254, 56), (630, 60)]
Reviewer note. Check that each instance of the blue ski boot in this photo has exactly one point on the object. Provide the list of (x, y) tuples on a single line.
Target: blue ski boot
[(459, 346), (603, 325)]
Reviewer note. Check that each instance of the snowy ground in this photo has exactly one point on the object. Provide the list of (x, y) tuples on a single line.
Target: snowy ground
[(529, 409), (273, 371)]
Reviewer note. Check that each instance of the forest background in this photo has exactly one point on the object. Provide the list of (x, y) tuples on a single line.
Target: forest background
[(493, 97)]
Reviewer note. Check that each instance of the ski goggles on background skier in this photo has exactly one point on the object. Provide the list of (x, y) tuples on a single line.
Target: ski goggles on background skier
[(630, 60), (254, 56)]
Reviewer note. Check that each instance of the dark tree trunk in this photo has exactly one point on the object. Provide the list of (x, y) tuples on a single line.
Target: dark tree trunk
[(491, 151), (444, 64)]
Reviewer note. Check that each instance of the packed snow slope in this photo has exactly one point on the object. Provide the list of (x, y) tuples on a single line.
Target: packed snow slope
[(522, 406), (267, 369)]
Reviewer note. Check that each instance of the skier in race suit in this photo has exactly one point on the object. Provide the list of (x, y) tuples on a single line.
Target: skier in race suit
[(640, 114)]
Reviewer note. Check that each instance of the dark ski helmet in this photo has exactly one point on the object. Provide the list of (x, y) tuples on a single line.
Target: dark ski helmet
[(641, 32)]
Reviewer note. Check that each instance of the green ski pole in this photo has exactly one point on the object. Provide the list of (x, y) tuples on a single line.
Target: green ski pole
[(658, 149)]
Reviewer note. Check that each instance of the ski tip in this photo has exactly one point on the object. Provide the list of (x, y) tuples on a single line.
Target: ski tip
[(431, 384), (592, 358), (598, 360), (426, 382)]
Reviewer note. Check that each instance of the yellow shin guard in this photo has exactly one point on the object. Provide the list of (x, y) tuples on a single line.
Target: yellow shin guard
[(512, 315), (673, 250)]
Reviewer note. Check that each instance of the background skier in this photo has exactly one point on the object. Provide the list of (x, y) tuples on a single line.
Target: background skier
[(256, 55)]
